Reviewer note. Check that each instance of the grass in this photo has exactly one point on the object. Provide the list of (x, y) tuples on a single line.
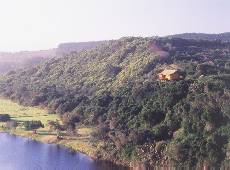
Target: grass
[(81, 142), (23, 113)]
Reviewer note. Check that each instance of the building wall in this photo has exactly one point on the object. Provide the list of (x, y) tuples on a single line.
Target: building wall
[(174, 76)]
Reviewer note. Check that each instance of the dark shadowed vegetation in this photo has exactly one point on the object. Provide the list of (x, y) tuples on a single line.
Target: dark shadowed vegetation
[(4, 117), (34, 124)]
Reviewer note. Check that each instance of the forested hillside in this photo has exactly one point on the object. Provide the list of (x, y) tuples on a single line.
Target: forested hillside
[(224, 37), (115, 88)]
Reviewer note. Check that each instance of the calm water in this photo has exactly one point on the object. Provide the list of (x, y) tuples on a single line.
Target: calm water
[(18, 153)]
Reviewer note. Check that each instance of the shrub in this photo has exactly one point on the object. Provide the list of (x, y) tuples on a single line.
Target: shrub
[(55, 125), (128, 152), (4, 117), (34, 124), (11, 124), (101, 132)]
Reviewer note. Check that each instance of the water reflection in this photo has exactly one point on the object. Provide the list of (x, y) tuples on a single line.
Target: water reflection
[(23, 154)]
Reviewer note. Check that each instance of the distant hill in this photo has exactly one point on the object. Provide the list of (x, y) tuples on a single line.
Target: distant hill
[(225, 37), (27, 59), (24, 59), (66, 48)]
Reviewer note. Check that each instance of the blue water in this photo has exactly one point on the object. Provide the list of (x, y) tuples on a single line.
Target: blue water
[(17, 153)]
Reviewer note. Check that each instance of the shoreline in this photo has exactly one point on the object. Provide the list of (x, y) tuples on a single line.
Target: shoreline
[(61, 142), (91, 155), (82, 141), (79, 143), (44, 142), (69, 149)]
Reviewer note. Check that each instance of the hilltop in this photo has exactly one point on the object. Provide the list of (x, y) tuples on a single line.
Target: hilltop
[(114, 87), (67, 48), (224, 37), (27, 59)]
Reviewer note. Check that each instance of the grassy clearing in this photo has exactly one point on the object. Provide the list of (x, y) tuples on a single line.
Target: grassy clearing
[(81, 142), (23, 113)]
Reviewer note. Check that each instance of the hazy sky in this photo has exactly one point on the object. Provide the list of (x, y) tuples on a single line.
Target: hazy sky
[(42, 24)]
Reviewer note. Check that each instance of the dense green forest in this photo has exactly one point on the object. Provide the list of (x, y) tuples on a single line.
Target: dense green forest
[(115, 88), (224, 37)]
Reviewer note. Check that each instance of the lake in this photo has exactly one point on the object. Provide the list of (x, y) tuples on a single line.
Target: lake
[(17, 153)]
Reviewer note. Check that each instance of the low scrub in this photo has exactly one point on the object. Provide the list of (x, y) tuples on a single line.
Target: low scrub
[(34, 124), (4, 117)]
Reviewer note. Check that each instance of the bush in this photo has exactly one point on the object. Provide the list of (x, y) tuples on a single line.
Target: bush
[(101, 132), (34, 124), (4, 117), (11, 124), (55, 125), (128, 152)]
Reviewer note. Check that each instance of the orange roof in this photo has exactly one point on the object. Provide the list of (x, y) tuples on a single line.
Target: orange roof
[(168, 71)]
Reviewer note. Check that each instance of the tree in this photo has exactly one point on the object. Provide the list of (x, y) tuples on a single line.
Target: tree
[(12, 124), (34, 124), (4, 117)]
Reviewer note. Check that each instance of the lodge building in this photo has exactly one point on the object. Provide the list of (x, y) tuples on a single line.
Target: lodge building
[(171, 74)]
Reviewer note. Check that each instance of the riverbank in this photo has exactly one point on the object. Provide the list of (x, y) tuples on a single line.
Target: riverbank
[(22, 153), (82, 142)]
